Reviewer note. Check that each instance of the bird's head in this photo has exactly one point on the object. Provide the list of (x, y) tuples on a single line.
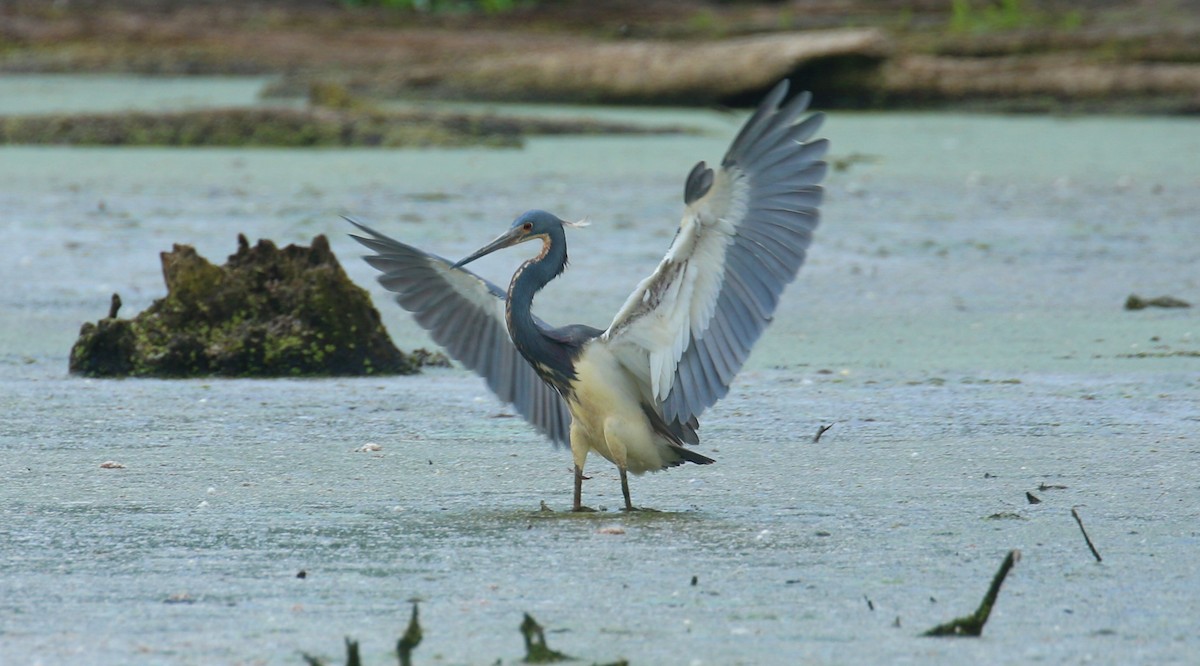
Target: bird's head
[(531, 225)]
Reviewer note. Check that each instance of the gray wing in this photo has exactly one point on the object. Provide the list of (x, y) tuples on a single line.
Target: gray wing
[(464, 313), (688, 328)]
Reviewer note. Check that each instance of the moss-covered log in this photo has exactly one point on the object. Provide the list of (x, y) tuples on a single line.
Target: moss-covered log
[(266, 313)]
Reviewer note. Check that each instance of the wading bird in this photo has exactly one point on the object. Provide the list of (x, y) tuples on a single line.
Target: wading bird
[(633, 392)]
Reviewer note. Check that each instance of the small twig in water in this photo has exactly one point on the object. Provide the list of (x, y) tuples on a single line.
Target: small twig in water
[(352, 657), (821, 431), (1085, 535), (972, 625), (536, 650)]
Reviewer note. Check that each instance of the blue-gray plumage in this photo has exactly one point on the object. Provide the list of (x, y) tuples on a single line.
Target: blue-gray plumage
[(634, 392)]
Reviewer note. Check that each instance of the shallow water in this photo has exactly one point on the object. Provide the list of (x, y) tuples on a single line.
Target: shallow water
[(95, 93), (959, 323)]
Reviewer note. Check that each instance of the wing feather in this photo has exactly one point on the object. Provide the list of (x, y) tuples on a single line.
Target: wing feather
[(687, 329), (465, 314), (770, 151), (783, 194), (761, 116), (782, 155), (717, 345), (752, 286)]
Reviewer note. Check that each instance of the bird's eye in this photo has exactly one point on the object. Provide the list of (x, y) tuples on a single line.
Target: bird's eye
[(528, 226)]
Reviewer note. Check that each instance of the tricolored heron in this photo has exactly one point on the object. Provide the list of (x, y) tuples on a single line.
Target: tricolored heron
[(634, 391)]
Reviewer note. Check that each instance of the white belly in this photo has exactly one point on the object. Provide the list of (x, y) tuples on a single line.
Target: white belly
[(607, 416)]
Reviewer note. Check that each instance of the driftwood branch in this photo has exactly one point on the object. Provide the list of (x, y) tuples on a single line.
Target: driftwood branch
[(972, 625)]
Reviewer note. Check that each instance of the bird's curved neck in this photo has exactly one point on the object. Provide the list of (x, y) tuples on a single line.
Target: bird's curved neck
[(526, 282)]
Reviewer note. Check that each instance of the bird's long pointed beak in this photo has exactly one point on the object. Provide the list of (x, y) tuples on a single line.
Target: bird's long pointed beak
[(509, 238)]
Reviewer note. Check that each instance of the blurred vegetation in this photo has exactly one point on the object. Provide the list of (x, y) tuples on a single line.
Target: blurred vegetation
[(1015, 55), (973, 16), (485, 6)]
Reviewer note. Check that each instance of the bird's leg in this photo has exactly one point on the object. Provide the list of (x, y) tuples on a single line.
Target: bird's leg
[(578, 505), (625, 489), (579, 452)]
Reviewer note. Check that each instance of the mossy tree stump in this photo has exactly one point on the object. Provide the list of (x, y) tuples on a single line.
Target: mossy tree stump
[(266, 313)]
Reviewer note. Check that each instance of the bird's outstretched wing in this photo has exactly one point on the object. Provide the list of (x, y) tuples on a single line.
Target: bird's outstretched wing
[(688, 328), (464, 313)]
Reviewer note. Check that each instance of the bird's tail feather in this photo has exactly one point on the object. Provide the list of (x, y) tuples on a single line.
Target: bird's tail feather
[(691, 456)]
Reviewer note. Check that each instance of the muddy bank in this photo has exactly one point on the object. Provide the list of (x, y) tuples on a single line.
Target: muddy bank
[(341, 121), (1024, 54), (732, 71), (292, 128), (847, 69), (1042, 83)]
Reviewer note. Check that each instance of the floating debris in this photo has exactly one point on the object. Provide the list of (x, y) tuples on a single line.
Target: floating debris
[(821, 430), (536, 650), (972, 625), (843, 163), (1179, 353), (1135, 302)]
